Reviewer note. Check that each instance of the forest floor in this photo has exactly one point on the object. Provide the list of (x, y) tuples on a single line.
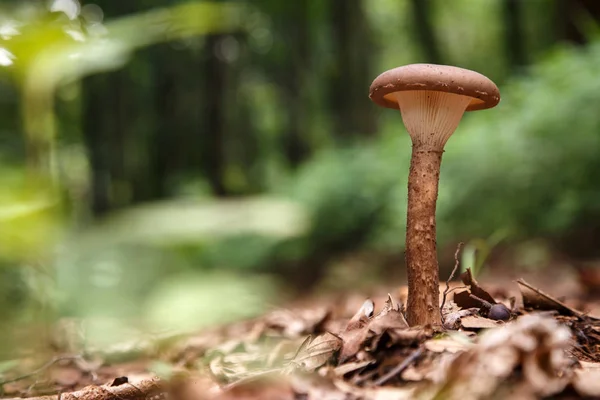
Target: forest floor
[(358, 346)]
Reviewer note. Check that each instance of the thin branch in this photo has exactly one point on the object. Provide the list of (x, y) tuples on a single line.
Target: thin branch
[(484, 303), (399, 368), (145, 389), (456, 263)]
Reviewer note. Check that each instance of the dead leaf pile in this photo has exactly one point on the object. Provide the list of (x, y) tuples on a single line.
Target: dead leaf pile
[(525, 359), (542, 348)]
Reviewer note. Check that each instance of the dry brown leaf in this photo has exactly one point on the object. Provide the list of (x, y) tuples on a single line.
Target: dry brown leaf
[(407, 337), (315, 352), (447, 345), (389, 317), (430, 369), (356, 332), (344, 369), (353, 342), (452, 319), (534, 298), (469, 280), (476, 322)]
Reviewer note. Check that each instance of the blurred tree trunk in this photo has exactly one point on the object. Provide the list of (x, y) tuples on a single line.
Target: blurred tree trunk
[(424, 31), (96, 122), (164, 149), (112, 117), (295, 145), (571, 19), (513, 33), (351, 73), (214, 91)]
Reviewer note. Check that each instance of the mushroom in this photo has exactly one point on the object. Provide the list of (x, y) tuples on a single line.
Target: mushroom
[(432, 100)]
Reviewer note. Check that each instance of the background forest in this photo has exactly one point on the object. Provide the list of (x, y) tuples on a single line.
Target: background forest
[(171, 165)]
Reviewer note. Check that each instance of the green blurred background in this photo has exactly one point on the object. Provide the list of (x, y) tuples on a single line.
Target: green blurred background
[(170, 165)]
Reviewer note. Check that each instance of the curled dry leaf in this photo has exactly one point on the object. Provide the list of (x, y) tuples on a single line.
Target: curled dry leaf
[(533, 344), (361, 327), (463, 298), (356, 332), (469, 280)]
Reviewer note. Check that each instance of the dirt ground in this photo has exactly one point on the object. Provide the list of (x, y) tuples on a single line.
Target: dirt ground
[(517, 336)]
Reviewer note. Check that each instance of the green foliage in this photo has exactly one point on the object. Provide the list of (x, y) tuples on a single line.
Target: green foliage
[(530, 166), (527, 168), (347, 192), (30, 215)]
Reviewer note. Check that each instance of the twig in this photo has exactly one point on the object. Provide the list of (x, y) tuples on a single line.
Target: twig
[(399, 368), (146, 389), (40, 369), (557, 303), (484, 303), (456, 263)]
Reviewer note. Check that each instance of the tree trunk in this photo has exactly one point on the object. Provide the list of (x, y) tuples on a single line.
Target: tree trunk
[(424, 31), (513, 39), (351, 74), (295, 146), (214, 87), (421, 254), (569, 19)]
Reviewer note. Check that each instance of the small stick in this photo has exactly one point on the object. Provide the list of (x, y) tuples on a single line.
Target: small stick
[(399, 368), (484, 303), (551, 299), (456, 263)]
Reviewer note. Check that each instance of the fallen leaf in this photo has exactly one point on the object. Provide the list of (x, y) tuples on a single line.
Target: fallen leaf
[(534, 345), (315, 352), (446, 345), (351, 367), (407, 337), (534, 298), (389, 317), (356, 332), (586, 381), (452, 319), (352, 342), (469, 280), (475, 322)]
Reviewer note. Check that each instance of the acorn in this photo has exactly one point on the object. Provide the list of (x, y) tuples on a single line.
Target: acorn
[(499, 312)]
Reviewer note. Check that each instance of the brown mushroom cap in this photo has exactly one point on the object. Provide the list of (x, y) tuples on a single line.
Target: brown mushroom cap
[(441, 78)]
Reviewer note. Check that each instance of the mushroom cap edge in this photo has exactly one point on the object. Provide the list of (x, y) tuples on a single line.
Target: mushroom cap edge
[(434, 77)]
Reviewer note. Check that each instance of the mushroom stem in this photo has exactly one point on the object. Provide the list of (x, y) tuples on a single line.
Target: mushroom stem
[(421, 255)]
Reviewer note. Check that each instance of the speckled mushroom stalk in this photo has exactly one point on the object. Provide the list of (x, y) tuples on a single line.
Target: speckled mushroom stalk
[(432, 100)]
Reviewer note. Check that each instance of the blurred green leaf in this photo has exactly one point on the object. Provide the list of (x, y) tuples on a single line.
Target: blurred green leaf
[(30, 216), (181, 221)]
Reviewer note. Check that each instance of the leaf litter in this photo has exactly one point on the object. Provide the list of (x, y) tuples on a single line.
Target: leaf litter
[(544, 349)]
